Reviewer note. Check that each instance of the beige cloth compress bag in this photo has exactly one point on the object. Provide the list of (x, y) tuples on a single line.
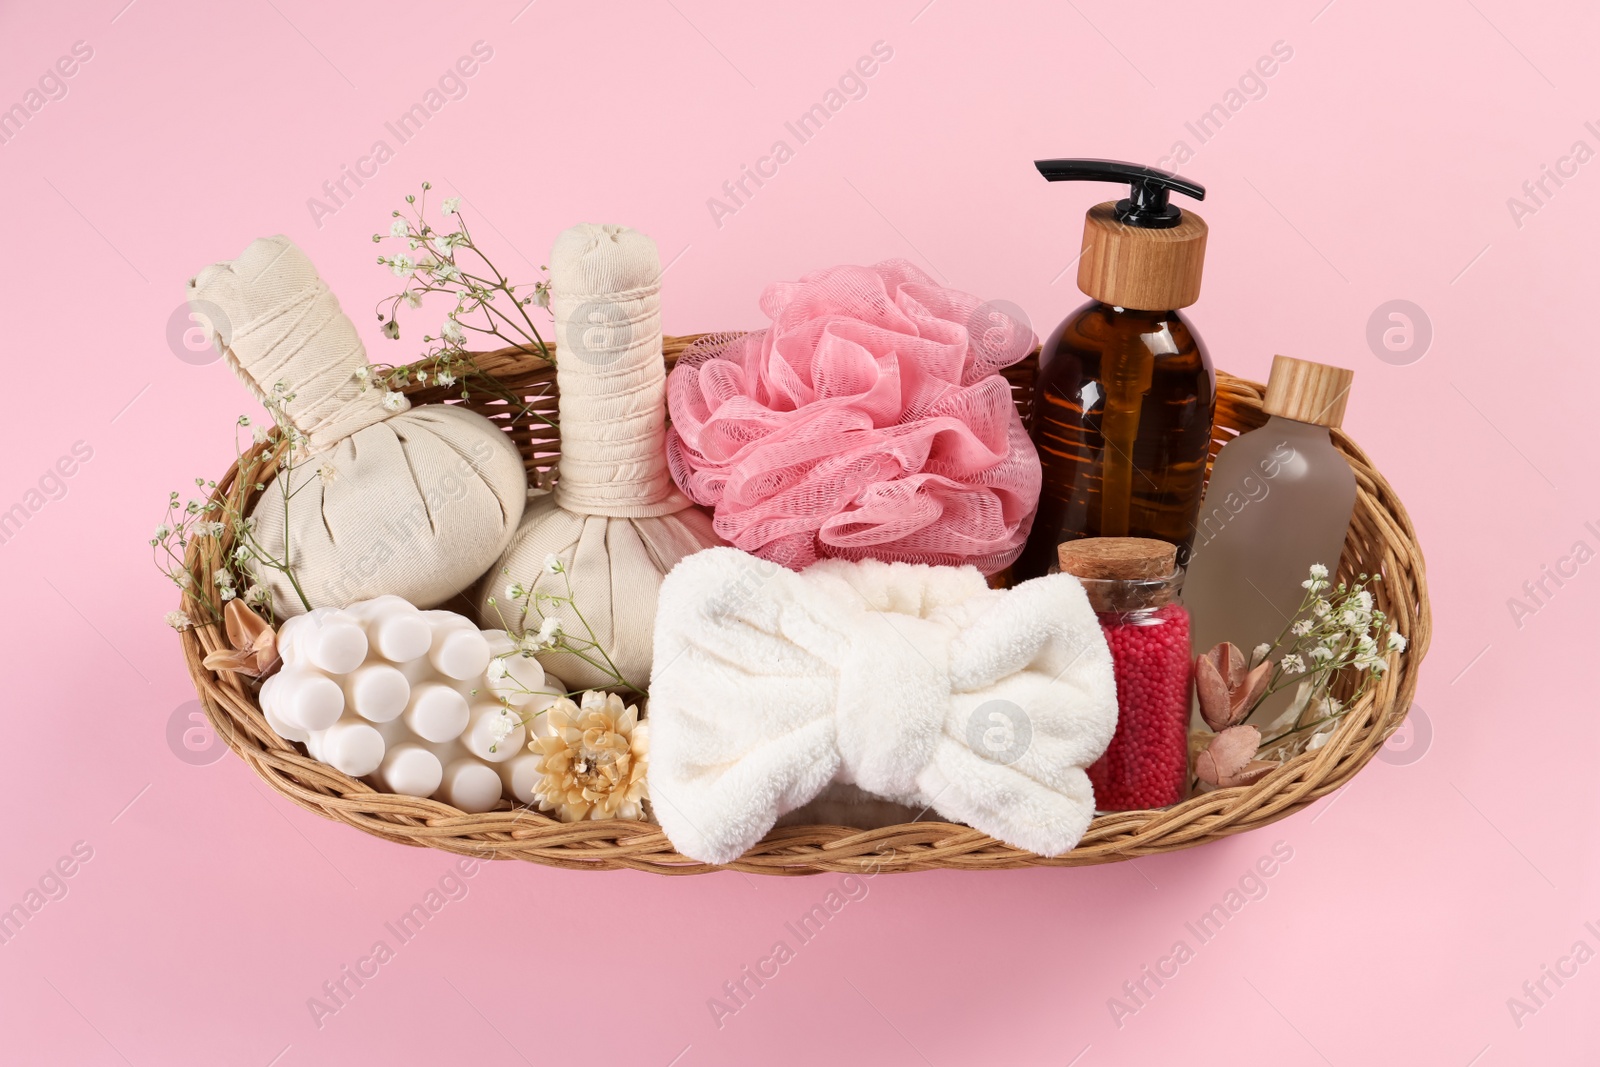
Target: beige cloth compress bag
[(615, 519), (419, 502)]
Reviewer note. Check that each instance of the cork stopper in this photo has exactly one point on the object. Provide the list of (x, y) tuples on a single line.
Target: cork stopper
[(1120, 558), (1304, 391), (1141, 268)]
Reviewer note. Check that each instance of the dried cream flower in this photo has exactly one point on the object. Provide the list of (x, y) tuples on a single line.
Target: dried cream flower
[(593, 762)]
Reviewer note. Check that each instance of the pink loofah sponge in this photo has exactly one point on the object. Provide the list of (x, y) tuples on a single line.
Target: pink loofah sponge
[(868, 422)]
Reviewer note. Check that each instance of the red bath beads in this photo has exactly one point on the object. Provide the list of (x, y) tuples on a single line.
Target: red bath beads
[(1132, 584), (1148, 759)]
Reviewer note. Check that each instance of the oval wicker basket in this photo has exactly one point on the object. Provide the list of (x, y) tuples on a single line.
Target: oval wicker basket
[(1381, 541)]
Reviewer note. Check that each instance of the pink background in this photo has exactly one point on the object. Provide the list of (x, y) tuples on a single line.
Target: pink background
[(1376, 167)]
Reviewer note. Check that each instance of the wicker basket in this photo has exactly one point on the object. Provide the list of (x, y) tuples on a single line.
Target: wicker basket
[(1381, 541)]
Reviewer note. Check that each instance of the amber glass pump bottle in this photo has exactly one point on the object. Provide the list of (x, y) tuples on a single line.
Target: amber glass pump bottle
[(1125, 393)]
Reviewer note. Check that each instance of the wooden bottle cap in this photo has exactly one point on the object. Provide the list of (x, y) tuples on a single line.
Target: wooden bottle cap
[(1126, 558), (1143, 269), (1304, 391)]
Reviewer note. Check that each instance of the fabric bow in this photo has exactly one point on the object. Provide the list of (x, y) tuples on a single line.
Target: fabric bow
[(918, 684)]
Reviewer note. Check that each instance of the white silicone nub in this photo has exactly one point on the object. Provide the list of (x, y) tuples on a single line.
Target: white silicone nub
[(411, 770), (269, 709), (436, 712), (377, 691), (458, 652), (524, 676), (337, 646), (479, 737), (536, 708), (520, 774), (309, 701), (401, 635), (470, 786), (353, 747)]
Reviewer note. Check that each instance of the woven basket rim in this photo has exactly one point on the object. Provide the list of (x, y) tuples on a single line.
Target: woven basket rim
[(1381, 540)]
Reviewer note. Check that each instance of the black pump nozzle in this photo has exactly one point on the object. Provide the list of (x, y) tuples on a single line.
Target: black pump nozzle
[(1148, 188)]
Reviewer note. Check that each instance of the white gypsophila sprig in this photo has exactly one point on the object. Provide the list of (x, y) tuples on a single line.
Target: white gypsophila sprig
[(485, 305), (207, 548), (1335, 629), (541, 628)]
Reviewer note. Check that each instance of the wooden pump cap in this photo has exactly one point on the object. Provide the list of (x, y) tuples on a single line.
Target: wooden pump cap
[(1304, 391), (1139, 268), (1125, 558)]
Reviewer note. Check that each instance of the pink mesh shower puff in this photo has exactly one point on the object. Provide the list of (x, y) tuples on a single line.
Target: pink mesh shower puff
[(868, 421)]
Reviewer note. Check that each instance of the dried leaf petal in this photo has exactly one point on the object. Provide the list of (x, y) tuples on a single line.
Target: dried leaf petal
[(1229, 753), (1255, 684), (1253, 772), (1226, 692), (1212, 691), (255, 643)]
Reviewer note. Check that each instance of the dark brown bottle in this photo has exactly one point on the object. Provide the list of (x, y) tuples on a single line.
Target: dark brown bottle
[(1125, 394)]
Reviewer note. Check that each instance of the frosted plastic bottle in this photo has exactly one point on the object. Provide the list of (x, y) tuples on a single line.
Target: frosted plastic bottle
[(1279, 499)]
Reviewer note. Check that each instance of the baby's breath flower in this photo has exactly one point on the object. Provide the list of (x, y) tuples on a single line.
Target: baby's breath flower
[(179, 620), (402, 265), (452, 331), (1301, 628), (1292, 664), (398, 228), (1397, 642), (163, 532), (1260, 653), (1318, 571), (445, 379), (451, 205), (553, 565), (503, 726), (393, 401)]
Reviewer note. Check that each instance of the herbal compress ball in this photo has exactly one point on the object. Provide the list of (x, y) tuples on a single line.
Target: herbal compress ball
[(383, 498)]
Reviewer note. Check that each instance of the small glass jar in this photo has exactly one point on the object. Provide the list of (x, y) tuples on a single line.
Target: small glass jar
[(1147, 630)]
